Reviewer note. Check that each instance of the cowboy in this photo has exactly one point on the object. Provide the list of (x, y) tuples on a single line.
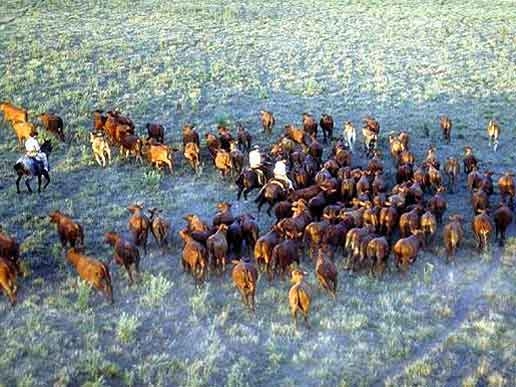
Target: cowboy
[(33, 150), (255, 163), (280, 173)]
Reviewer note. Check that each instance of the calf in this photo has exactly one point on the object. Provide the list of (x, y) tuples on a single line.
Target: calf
[(69, 231), (326, 273), (138, 225), (159, 227), (126, 254), (453, 235), (244, 277), (8, 279), (100, 148), (53, 124), (194, 257), (13, 113), (482, 229), (155, 131), (92, 271), (493, 132), (267, 119), (502, 219), (299, 296), (406, 249), (217, 246)]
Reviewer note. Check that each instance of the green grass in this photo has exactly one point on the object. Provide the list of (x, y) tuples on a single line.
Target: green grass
[(204, 62)]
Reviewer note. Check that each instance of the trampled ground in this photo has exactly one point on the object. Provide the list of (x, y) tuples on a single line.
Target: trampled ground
[(175, 62)]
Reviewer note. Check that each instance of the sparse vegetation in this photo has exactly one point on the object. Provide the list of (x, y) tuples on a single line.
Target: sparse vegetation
[(221, 62)]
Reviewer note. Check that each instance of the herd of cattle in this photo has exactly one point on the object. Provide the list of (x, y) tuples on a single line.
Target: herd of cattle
[(336, 209)]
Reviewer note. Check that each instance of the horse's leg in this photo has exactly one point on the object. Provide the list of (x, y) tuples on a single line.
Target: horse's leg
[(39, 183), (18, 183), (28, 184), (47, 178)]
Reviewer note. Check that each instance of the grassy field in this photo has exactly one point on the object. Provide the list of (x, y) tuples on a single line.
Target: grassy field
[(175, 62)]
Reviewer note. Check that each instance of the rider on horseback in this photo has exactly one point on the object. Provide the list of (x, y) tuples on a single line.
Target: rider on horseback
[(255, 163), (280, 174), (33, 150)]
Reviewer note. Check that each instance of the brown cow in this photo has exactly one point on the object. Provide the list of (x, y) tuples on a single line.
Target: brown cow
[(453, 235), (502, 219), (250, 230), (131, 145), (285, 254), (406, 249), (409, 221), (267, 119), (378, 254), (470, 161), (217, 245), (159, 155), (326, 273), (438, 205), (244, 138), (224, 214), (126, 254), (155, 131), (452, 171), (263, 249), (138, 225), (309, 124), (190, 135), (194, 257), (446, 127), (326, 123), (428, 226), (244, 277), (192, 154), (13, 113), (92, 271), (479, 201), (8, 279), (159, 227), (482, 229), (10, 250), (70, 232), (299, 296), (507, 188), (313, 236), (23, 130), (99, 120), (53, 124)]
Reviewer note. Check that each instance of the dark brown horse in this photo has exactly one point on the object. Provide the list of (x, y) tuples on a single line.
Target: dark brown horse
[(271, 193), (30, 167)]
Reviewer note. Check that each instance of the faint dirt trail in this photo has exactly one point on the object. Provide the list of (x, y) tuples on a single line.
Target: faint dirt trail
[(463, 306)]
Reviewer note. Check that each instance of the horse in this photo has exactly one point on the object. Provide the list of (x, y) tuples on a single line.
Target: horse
[(247, 180), (271, 193), (30, 167)]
